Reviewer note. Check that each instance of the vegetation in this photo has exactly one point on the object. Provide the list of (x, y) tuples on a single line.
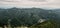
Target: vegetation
[(46, 24), (28, 17)]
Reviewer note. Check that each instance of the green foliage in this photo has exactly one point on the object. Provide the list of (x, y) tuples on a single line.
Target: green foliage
[(46, 24), (25, 16)]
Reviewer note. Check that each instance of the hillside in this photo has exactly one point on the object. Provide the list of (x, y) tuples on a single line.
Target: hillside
[(25, 16)]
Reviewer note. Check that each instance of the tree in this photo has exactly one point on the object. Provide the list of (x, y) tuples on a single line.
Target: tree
[(46, 24)]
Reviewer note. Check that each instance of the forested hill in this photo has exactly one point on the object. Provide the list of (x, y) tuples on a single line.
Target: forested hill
[(25, 16)]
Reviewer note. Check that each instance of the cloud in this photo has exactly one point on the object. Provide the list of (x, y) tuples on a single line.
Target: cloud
[(11, 0), (38, 0), (30, 3)]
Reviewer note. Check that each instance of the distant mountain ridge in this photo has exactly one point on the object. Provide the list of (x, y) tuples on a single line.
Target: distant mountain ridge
[(25, 16)]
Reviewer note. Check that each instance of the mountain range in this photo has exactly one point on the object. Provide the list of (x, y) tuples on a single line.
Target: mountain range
[(27, 16)]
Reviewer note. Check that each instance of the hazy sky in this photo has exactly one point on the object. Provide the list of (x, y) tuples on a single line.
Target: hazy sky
[(30, 3)]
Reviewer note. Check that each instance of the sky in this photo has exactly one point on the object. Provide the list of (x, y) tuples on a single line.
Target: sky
[(30, 3)]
